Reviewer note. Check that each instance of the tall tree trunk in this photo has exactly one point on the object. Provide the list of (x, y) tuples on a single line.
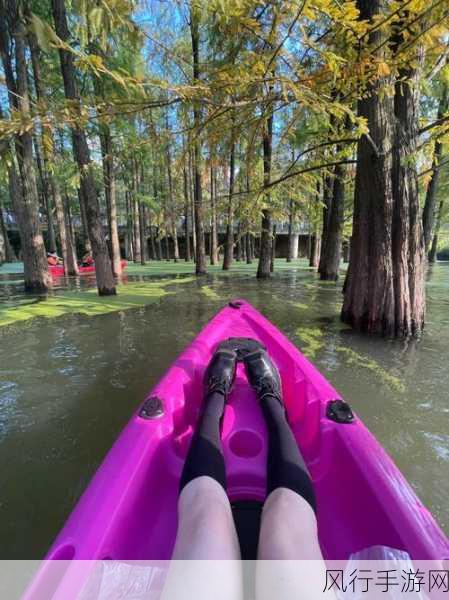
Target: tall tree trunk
[(86, 240), (172, 215), (229, 240), (8, 251), (266, 242), (434, 247), (239, 250), (72, 263), (159, 245), (143, 237), (45, 194), (129, 227), (273, 249), (249, 254), (137, 254), (200, 264), (384, 288), (25, 197), (49, 181), (103, 267), (327, 204), (290, 231), (107, 154), (428, 216), (213, 217), (330, 265), (314, 258), (186, 215)]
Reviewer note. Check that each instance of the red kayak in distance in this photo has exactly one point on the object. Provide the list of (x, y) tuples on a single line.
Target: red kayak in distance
[(58, 270)]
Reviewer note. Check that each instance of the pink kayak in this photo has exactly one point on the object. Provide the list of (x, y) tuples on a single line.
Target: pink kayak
[(58, 270), (128, 511)]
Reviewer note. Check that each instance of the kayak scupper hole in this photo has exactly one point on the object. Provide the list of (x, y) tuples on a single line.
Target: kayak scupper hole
[(245, 443)]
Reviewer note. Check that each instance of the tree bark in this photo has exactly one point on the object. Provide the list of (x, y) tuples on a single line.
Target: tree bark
[(172, 215), (200, 263), (8, 251), (87, 245), (186, 215), (45, 194), (249, 253), (273, 249), (213, 218), (229, 240), (107, 154), (434, 247), (137, 254), (103, 267), (384, 288), (428, 216), (330, 265), (266, 242), (327, 203), (290, 231), (24, 190)]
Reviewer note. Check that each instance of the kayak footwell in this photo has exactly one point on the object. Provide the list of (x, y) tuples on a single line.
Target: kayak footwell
[(129, 509)]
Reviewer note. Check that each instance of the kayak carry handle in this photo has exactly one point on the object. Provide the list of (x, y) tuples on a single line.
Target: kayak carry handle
[(152, 408), (339, 411)]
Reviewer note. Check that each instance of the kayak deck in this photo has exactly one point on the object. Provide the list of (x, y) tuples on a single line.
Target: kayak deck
[(129, 509)]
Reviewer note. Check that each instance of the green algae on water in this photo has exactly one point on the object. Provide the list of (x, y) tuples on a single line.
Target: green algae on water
[(355, 359), (88, 303), (313, 340)]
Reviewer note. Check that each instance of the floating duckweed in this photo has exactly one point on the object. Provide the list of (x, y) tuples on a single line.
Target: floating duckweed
[(312, 339), (131, 295), (209, 292), (358, 360)]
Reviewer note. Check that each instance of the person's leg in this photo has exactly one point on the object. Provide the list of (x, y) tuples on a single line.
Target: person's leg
[(205, 525), (206, 535), (288, 526)]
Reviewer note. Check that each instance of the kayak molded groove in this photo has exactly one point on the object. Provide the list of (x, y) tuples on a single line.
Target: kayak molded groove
[(58, 270), (128, 511)]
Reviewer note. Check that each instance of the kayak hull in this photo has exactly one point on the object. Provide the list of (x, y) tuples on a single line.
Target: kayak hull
[(128, 511), (58, 270)]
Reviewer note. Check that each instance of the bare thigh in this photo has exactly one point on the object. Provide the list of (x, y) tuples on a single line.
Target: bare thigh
[(206, 558), (290, 563)]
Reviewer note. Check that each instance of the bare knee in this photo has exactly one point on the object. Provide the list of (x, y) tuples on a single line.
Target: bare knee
[(289, 527)]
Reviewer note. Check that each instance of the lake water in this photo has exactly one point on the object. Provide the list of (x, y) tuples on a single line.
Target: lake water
[(69, 384)]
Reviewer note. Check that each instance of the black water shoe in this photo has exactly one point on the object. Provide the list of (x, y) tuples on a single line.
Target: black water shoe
[(263, 375), (220, 372)]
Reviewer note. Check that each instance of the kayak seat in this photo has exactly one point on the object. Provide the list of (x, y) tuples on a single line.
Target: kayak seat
[(247, 515)]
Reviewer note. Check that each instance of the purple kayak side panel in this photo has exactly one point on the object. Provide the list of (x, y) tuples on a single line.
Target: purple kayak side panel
[(128, 511)]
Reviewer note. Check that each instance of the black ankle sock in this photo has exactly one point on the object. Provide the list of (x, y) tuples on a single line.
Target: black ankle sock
[(286, 467), (205, 456)]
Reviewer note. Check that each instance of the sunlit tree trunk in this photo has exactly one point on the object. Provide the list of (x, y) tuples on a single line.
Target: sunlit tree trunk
[(429, 210), (103, 267), (200, 263), (229, 239), (327, 202), (266, 241), (135, 212), (9, 255), (107, 153), (213, 216), (330, 264), (434, 247), (172, 213), (186, 215), (384, 289), (249, 253), (25, 197)]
